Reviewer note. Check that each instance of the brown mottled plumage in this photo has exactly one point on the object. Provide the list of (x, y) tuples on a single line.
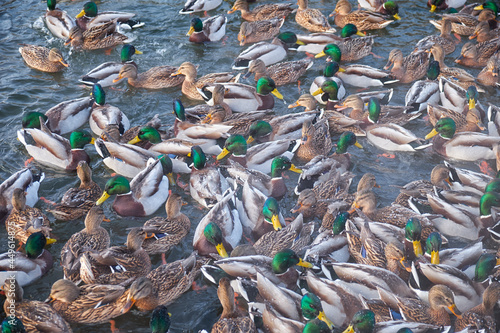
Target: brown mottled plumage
[(42, 58), (159, 77), (315, 140), (311, 19), (282, 73), (362, 19), (261, 12), (477, 55), (258, 31), (410, 68), (97, 37)]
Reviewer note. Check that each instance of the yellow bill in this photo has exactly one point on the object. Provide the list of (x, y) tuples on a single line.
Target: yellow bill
[(50, 241), (431, 134), (276, 222), (295, 169), (303, 263), (134, 141), (319, 55), (223, 154), (397, 17), (350, 329), (190, 32), (322, 316), (276, 93), (250, 140), (317, 92), (357, 144), (417, 248), (221, 250), (80, 14), (435, 257), (103, 198), (433, 8)]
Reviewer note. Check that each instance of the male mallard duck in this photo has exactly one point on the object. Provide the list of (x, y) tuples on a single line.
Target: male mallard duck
[(13, 325), (329, 71), (92, 238), (32, 265), (103, 36), (363, 20), (281, 73), (270, 53), (424, 92), (104, 114), (191, 84), (195, 6), (315, 140), (351, 49), (389, 8), (469, 122), (24, 220), (77, 201), (258, 31), (162, 285), (262, 12), (288, 126), (211, 29), (42, 58), (143, 195), (106, 73), (36, 316), (117, 264), (444, 40), (465, 146), (242, 98), (231, 320), (477, 55), (458, 75), (311, 19), (241, 122), (159, 77), (87, 304), (89, 17), (410, 68), (58, 21), (444, 4), (312, 308), (164, 233), (160, 320)]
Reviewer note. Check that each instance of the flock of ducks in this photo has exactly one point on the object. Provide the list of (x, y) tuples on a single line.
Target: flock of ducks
[(364, 269)]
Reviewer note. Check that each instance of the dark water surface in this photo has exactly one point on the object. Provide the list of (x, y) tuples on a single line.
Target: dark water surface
[(163, 42)]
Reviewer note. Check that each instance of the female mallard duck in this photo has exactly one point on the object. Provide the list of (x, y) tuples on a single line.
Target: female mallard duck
[(351, 49), (258, 31), (444, 40), (444, 4), (469, 122), (389, 8), (329, 71), (410, 68), (231, 320), (87, 304), (465, 146), (32, 265), (195, 6), (159, 77), (117, 264), (191, 84), (206, 184), (89, 17), (308, 101), (104, 114), (477, 55), (458, 75), (143, 195), (77, 201), (211, 29), (163, 285), (106, 73), (36, 316), (164, 233), (243, 98), (489, 74), (270, 53), (262, 12), (364, 247), (311, 19), (484, 33), (103, 36), (58, 21), (363, 20), (424, 92), (42, 58), (465, 23), (92, 238), (315, 140), (281, 73)]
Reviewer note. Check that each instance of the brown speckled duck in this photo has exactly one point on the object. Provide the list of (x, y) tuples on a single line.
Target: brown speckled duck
[(42, 58)]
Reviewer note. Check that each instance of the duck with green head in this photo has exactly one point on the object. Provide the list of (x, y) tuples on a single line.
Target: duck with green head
[(211, 29), (213, 235), (235, 147), (352, 48), (444, 4), (316, 326), (329, 93), (13, 325), (329, 71), (90, 16), (413, 236), (104, 114), (160, 320), (485, 267), (424, 92), (58, 21), (312, 309), (33, 119)]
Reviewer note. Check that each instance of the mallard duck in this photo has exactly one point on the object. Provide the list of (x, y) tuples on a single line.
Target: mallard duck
[(87, 304), (484, 33), (444, 40), (389, 8), (410, 68), (308, 101), (24, 220), (315, 140), (469, 122), (195, 6), (211, 29), (351, 49), (242, 98), (288, 126), (144, 136), (365, 247), (104, 114), (315, 43), (482, 316), (281, 73), (106, 73), (477, 55), (452, 95), (489, 74), (13, 325), (329, 93), (154, 78), (117, 264), (42, 58), (258, 31), (363, 20), (191, 84), (143, 195), (25, 179), (32, 265), (89, 17), (424, 92), (444, 4), (164, 233), (311, 19), (241, 122), (58, 21), (461, 146), (36, 316), (76, 202), (92, 238), (102, 36), (262, 12), (270, 53), (163, 285), (160, 320), (331, 68)]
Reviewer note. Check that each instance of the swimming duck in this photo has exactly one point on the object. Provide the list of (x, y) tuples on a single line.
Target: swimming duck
[(143, 195), (424, 92), (458, 75), (104, 114), (315, 140), (444, 40), (92, 238), (363, 20), (103, 36), (241, 122), (288, 126), (159, 77), (258, 31), (465, 23), (410, 68), (42, 58), (76, 202), (106, 73), (331, 68), (261, 12), (444, 4), (89, 17), (311, 19), (389, 8), (484, 33), (469, 122), (32, 265), (473, 55), (281, 73), (489, 74), (308, 101), (194, 6), (211, 29), (270, 53), (58, 21), (351, 49)]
